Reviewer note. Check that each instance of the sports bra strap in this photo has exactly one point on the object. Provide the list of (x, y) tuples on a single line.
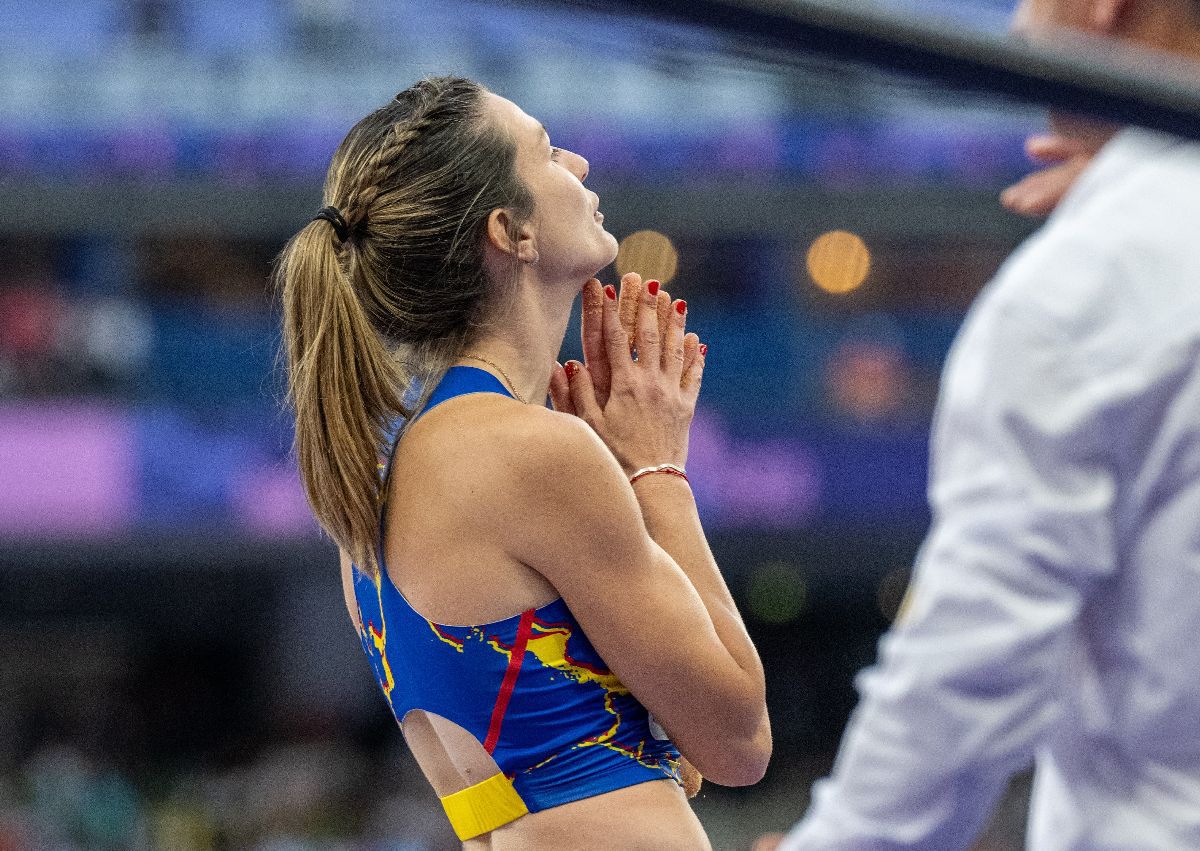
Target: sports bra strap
[(458, 381), (461, 380)]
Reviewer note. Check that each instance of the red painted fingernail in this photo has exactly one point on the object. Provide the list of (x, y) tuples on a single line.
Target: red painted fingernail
[(681, 307), (571, 368), (703, 349), (611, 292), (652, 286)]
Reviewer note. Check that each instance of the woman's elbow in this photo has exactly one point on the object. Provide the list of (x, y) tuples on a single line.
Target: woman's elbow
[(742, 761), (755, 755)]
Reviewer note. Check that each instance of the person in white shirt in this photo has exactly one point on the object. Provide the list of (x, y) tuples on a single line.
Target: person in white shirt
[(1055, 609)]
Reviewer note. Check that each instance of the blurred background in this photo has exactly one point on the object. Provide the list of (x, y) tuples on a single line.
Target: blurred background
[(176, 666)]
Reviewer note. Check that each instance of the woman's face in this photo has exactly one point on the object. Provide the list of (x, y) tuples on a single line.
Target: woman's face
[(566, 229)]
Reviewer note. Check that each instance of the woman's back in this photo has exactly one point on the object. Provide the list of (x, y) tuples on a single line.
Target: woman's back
[(452, 507), (483, 661)]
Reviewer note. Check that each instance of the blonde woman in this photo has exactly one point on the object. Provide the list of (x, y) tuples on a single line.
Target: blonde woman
[(529, 585)]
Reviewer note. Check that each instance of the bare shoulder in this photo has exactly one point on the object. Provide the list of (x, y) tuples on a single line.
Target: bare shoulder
[(492, 418), (527, 476), (580, 512), (534, 424), (509, 461), (527, 444), (554, 456)]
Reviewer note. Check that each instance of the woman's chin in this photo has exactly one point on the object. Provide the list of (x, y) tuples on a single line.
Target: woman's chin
[(614, 247), (596, 258)]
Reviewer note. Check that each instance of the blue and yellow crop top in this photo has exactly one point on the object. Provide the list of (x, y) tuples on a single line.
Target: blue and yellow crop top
[(531, 688)]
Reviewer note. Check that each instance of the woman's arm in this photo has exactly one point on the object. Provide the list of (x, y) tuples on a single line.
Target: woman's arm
[(668, 510), (685, 655), (642, 411)]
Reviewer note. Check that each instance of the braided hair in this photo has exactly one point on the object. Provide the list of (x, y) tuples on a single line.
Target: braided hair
[(399, 297)]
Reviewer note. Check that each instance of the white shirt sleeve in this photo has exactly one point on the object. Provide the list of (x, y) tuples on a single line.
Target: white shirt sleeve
[(971, 678)]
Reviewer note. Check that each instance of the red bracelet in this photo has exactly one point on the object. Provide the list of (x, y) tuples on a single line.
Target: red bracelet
[(669, 469)]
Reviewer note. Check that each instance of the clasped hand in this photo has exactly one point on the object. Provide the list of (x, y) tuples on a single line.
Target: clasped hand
[(638, 384)]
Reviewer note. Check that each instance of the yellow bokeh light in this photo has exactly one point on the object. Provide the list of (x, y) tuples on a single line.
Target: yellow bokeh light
[(650, 254), (838, 261)]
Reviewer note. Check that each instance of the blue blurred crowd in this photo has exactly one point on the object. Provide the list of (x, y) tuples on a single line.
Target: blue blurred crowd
[(175, 340)]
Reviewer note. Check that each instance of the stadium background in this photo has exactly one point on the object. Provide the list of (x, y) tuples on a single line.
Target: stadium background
[(177, 667)]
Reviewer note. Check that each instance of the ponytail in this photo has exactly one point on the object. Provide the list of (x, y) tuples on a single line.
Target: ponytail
[(388, 286), (345, 387)]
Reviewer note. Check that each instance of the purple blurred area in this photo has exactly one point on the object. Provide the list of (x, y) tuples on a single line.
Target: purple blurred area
[(91, 456)]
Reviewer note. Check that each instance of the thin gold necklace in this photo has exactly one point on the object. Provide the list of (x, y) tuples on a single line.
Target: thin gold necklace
[(512, 387)]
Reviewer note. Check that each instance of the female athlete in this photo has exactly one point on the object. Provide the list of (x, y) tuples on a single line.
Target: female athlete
[(525, 606)]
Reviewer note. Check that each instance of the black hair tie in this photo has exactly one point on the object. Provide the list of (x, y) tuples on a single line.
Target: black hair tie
[(334, 216)]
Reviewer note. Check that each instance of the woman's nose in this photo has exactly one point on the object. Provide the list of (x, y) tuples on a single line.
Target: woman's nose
[(579, 166)]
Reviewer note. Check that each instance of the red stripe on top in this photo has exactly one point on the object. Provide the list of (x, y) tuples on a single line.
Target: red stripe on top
[(510, 680)]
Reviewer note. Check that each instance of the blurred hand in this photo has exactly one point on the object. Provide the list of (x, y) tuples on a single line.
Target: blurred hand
[(768, 842), (1066, 156), (648, 403)]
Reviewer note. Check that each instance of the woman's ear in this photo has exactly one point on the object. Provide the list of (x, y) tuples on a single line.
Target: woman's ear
[(498, 225), (500, 229)]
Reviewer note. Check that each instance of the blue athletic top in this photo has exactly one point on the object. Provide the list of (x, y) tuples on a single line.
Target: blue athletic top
[(531, 688)]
